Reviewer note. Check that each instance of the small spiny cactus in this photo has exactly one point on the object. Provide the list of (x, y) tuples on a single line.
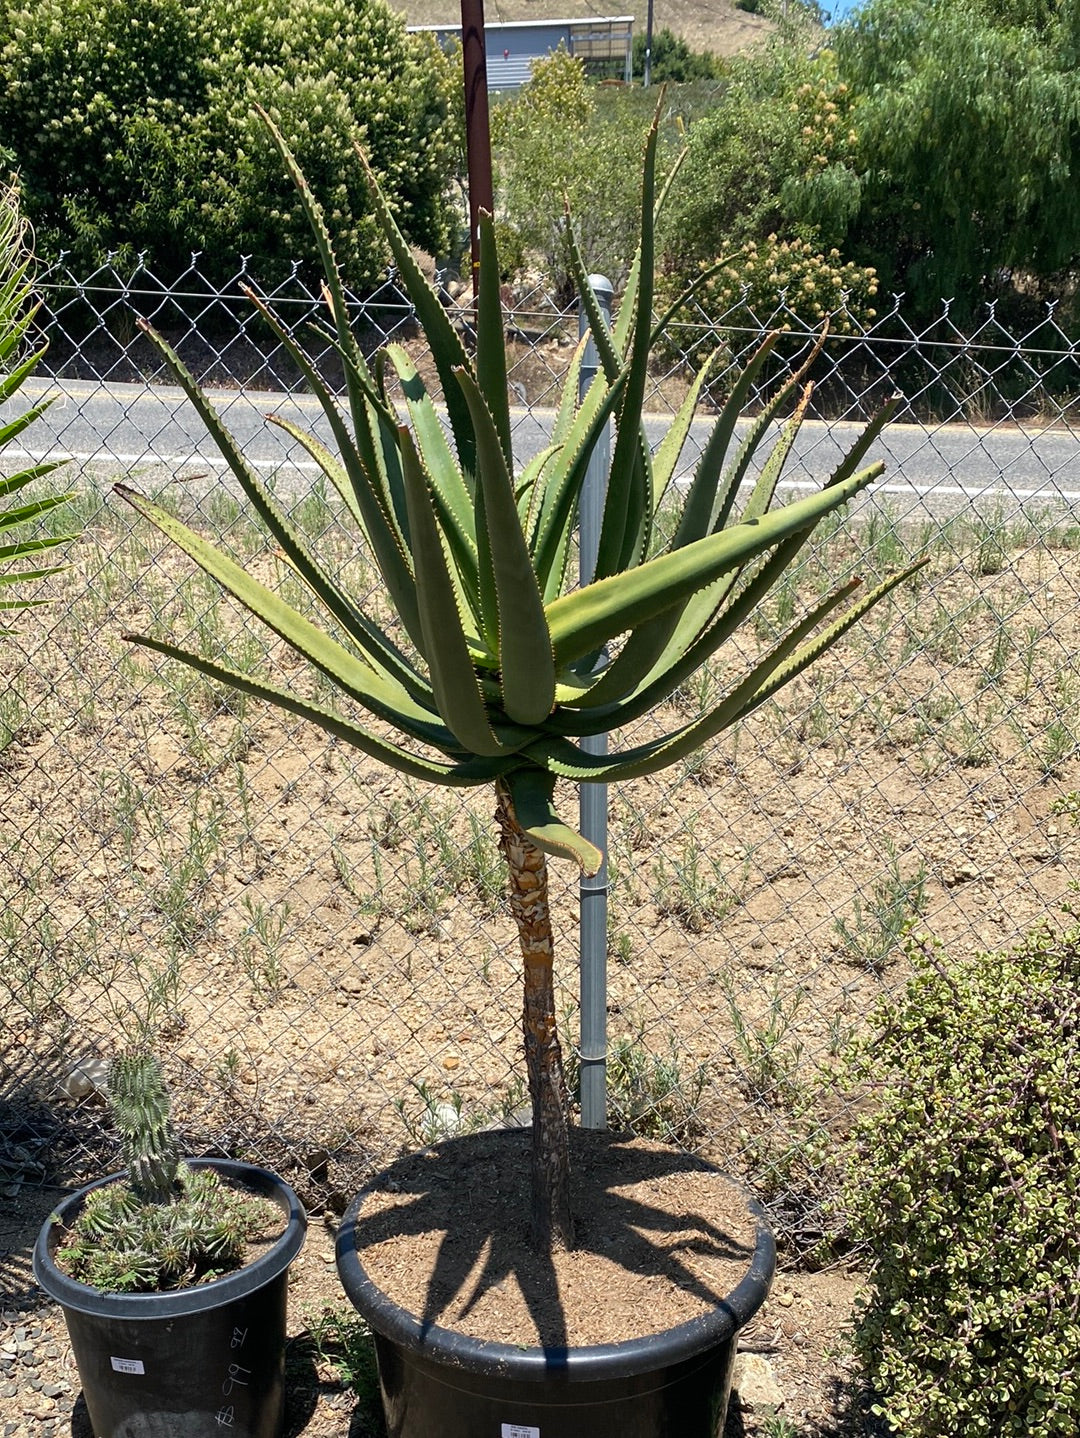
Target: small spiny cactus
[(167, 1225), (140, 1109)]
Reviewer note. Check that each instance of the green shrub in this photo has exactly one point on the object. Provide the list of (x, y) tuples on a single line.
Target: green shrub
[(132, 127), (554, 140), (963, 1183), (775, 156), (672, 61), (778, 284)]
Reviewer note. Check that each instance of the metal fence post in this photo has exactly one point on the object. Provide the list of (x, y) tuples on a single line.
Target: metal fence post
[(593, 797)]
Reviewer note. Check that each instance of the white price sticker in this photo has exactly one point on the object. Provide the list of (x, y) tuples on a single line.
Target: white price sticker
[(127, 1365), (519, 1430)]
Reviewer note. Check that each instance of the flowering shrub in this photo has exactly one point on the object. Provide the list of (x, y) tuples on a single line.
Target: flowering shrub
[(780, 280), (776, 156), (777, 284), (132, 126)]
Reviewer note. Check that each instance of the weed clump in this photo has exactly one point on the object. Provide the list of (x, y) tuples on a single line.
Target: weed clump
[(963, 1183)]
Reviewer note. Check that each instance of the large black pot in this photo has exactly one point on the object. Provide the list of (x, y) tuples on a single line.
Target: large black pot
[(440, 1384), (192, 1362)]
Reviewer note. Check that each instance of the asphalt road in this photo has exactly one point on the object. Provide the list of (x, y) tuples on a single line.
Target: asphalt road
[(153, 433)]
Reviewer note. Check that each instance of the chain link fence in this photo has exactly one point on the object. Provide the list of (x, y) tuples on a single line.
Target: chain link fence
[(320, 948)]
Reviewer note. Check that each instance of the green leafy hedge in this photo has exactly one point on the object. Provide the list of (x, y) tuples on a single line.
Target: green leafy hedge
[(132, 127), (964, 1185)]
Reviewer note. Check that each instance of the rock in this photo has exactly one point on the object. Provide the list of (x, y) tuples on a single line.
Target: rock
[(86, 1079), (755, 1383), (447, 1119)]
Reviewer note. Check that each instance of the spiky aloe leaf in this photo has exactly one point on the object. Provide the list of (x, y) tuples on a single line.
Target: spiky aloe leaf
[(446, 348), (449, 490), (490, 340), (464, 773), (526, 663), (787, 660), (587, 619), (533, 791), (446, 647), (357, 676)]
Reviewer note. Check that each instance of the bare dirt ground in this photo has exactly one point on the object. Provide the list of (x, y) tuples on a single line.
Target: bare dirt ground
[(321, 954)]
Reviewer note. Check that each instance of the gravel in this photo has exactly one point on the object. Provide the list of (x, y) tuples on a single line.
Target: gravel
[(38, 1383)]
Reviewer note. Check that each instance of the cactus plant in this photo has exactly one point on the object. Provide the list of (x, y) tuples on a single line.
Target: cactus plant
[(501, 663), (166, 1224)]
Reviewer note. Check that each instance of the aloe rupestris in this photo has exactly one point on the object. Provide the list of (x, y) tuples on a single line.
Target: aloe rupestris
[(502, 664)]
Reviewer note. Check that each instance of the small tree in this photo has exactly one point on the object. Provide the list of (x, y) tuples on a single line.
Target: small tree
[(672, 61), (555, 141), (502, 663)]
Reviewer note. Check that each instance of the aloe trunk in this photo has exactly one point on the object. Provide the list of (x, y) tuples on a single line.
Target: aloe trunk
[(552, 1220)]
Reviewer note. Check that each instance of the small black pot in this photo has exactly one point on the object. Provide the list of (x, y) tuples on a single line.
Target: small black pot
[(440, 1384), (191, 1362)]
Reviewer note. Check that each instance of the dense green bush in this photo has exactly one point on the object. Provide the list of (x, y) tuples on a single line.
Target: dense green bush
[(775, 156), (969, 145), (963, 1183), (672, 61), (132, 126)]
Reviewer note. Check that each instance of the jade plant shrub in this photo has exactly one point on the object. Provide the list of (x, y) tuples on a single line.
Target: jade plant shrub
[(131, 128), (962, 1182), (166, 1225), (498, 661)]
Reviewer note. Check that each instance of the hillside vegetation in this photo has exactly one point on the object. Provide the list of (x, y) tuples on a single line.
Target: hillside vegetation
[(713, 25)]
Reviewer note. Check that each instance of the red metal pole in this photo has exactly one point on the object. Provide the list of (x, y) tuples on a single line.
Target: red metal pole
[(477, 128)]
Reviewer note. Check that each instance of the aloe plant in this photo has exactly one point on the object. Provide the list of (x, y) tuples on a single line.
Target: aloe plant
[(502, 664), (17, 311)]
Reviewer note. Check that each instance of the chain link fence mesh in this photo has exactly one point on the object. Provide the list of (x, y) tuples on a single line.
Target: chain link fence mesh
[(320, 949)]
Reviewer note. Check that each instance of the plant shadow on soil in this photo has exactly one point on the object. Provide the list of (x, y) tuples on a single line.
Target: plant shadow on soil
[(446, 1233)]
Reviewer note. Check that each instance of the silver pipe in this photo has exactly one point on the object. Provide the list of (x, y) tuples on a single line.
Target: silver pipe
[(592, 798)]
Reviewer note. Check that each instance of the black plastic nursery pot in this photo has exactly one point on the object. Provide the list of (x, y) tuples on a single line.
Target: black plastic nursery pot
[(190, 1362), (440, 1384)]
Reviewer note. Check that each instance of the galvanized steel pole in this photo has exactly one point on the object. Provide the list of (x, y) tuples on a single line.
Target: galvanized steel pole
[(593, 797)]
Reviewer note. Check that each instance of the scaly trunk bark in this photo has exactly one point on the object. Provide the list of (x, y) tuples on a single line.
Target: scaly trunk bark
[(552, 1222)]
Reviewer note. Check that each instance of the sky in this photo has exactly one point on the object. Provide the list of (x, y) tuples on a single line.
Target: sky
[(839, 9)]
